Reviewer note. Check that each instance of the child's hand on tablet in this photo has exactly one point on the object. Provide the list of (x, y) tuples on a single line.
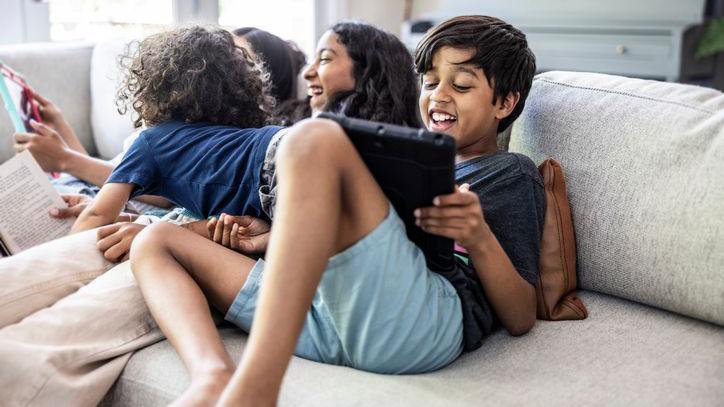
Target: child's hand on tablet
[(47, 146), (49, 112), (457, 216), (52, 116)]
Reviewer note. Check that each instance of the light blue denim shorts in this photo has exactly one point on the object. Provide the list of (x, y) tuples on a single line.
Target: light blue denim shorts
[(377, 308)]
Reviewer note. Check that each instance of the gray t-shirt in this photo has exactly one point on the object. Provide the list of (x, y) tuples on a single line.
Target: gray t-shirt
[(513, 201)]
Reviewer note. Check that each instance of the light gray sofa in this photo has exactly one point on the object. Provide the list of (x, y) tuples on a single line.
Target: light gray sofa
[(644, 165)]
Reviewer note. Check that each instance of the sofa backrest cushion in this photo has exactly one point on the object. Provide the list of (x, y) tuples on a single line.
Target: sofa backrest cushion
[(110, 128), (644, 167), (60, 72)]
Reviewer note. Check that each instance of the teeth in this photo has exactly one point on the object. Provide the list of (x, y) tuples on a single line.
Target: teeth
[(314, 90), (441, 117)]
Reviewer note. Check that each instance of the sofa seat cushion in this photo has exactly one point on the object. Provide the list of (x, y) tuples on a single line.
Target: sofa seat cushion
[(624, 354)]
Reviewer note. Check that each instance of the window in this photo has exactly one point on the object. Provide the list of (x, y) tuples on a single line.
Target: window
[(288, 19), (106, 19), (99, 20)]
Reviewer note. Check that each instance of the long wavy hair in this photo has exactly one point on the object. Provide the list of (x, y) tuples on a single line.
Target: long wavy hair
[(386, 84), (194, 74), (282, 59)]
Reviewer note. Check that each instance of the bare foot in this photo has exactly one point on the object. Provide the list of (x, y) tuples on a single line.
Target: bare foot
[(204, 390)]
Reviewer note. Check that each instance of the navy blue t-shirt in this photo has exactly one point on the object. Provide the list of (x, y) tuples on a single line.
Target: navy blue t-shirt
[(207, 169), (511, 195)]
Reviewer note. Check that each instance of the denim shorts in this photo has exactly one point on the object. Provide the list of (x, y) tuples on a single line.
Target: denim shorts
[(377, 308)]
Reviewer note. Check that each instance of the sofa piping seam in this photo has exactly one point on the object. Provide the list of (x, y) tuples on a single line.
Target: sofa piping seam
[(618, 92)]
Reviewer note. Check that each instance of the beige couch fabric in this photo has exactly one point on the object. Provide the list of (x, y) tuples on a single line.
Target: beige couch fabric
[(624, 354), (644, 165)]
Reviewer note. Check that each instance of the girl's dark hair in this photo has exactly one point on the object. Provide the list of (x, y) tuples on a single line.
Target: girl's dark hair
[(282, 59), (385, 83), (193, 74), (292, 111), (501, 51)]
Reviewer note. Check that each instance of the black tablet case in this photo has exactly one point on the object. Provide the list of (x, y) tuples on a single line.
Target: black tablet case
[(412, 166)]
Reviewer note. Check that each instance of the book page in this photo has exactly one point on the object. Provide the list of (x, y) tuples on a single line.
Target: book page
[(26, 195)]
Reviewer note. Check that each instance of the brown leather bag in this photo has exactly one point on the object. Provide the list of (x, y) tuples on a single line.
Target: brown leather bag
[(555, 291)]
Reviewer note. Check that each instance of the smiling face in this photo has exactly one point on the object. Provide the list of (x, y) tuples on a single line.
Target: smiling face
[(457, 99), (329, 73)]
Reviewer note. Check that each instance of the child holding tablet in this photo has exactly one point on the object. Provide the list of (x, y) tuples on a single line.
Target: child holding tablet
[(341, 283)]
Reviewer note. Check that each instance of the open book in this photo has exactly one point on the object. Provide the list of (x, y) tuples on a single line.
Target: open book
[(26, 195)]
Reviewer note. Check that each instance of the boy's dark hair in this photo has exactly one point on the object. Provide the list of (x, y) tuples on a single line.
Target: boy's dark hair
[(193, 74), (282, 59), (385, 84), (501, 51)]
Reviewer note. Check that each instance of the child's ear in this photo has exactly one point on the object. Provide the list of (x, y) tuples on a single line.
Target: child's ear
[(507, 105)]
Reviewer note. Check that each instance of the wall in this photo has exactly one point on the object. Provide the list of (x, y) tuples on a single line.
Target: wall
[(422, 7), (389, 13), (386, 14), (23, 21), (580, 13)]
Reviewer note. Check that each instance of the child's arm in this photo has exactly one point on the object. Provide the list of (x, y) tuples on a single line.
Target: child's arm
[(459, 216), (105, 207)]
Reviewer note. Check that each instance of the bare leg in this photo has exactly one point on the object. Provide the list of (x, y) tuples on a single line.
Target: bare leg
[(172, 266), (327, 201)]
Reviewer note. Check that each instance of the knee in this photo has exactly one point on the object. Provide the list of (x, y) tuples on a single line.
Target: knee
[(313, 142), (151, 239)]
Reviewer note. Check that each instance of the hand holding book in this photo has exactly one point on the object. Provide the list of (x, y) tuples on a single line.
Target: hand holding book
[(26, 196)]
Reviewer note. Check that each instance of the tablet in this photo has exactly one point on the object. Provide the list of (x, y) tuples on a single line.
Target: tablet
[(412, 166), (18, 99)]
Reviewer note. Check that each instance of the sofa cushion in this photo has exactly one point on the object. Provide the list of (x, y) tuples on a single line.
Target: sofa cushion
[(110, 128), (644, 167), (623, 354), (59, 72)]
